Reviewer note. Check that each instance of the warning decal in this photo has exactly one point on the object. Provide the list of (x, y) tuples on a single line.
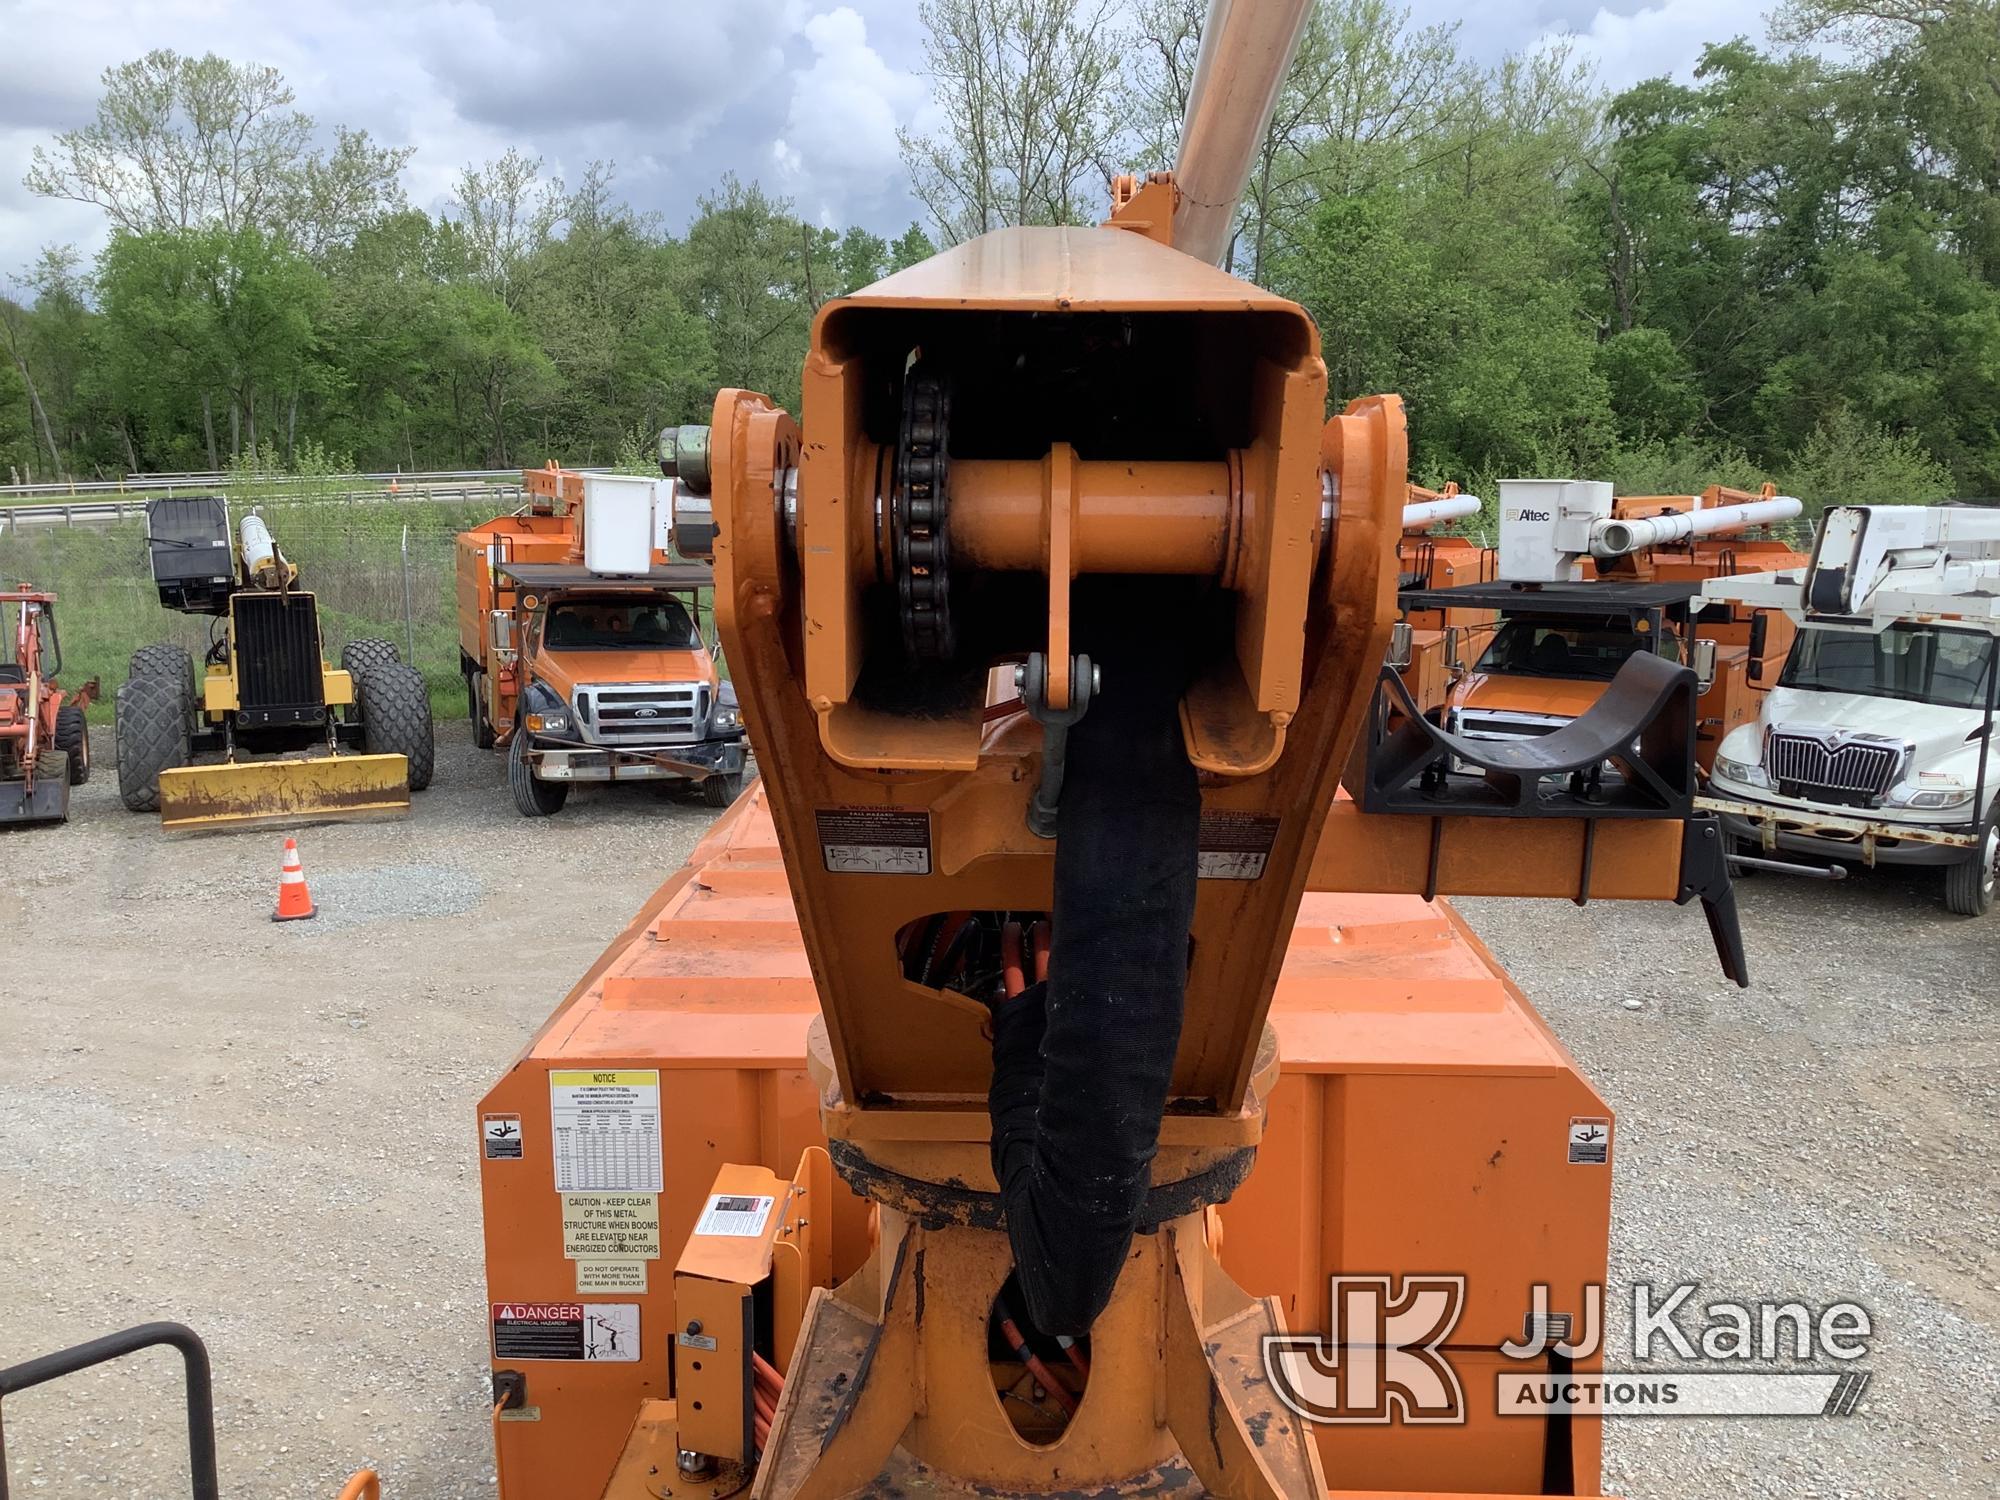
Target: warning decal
[(1589, 1141), (501, 1137), (1235, 846), (741, 1217), (611, 1226), (610, 1276), (597, 1332), (874, 840), (605, 1127)]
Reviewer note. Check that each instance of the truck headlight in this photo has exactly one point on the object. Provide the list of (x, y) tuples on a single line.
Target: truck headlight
[(725, 717), (1929, 797), (1749, 773), (542, 711)]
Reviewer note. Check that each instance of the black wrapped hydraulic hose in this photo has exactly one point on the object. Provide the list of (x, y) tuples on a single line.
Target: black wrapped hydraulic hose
[(1082, 1064)]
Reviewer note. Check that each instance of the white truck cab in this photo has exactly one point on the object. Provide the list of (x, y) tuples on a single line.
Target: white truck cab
[(1876, 743)]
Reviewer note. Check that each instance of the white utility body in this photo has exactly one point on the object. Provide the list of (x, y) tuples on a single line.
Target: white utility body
[(1877, 742)]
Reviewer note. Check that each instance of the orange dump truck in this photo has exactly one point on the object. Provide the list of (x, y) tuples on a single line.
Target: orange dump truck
[(581, 645)]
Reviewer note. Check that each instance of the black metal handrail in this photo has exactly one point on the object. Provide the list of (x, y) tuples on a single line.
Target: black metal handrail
[(200, 1389)]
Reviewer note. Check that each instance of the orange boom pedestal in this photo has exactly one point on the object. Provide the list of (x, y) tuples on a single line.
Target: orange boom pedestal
[(744, 1227)]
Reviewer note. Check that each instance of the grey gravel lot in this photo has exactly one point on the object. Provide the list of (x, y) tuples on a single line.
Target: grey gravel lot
[(1826, 1135), (263, 1131)]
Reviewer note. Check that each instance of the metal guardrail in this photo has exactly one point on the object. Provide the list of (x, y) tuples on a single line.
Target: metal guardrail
[(160, 484), (200, 1389), (16, 519)]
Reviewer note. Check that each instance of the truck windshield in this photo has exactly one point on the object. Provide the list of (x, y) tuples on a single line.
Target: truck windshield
[(648, 624), (1589, 647), (1921, 663)]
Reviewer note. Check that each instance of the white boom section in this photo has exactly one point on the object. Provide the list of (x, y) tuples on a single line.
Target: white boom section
[(1548, 526), (254, 542), (1616, 538), (1246, 50), (1426, 513), (1875, 565)]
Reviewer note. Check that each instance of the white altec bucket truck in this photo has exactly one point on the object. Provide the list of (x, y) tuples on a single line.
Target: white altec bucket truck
[(1877, 742)]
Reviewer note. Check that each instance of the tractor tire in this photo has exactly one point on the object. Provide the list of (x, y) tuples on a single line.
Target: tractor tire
[(483, 736), (1969, 885), (150, 729), (720, 791), (396, 717), (169, 661), (359, 658), (72, 737), (533, 797)]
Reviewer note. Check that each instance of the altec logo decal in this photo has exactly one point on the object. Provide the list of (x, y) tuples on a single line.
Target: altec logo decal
[(1531, 515)]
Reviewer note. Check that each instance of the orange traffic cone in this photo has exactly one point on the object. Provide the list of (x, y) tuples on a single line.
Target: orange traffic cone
[(295, 903)]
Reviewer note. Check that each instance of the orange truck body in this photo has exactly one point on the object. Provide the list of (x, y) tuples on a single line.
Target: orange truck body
[(610, 709), (1420, 1117)]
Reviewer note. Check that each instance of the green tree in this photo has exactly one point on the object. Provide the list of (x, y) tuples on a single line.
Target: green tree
[(219, 318), (1029, 91), (745, 277), (181, 143)]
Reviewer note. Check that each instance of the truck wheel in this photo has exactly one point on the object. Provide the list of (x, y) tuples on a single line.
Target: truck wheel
[(150, 730), (73, 739), (720, 791), (534, 798), (1969, 885), (396, 718), (169, 661), (359, 658), (475, 705)]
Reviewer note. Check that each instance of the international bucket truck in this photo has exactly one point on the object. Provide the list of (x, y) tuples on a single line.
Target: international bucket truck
[(1876, 743)]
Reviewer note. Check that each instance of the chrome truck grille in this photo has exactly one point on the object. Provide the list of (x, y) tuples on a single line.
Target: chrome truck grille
[(1489, 724), (1829, 766), (671, 713)]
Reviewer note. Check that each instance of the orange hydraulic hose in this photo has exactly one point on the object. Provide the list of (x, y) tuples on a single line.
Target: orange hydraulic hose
[(1012, 1333), (766, 1372), (364, 1485), (1012, 977), (1038, 940), (947, 934)]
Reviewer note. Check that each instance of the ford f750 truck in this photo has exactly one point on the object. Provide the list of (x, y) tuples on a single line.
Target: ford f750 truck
[(582, 649)]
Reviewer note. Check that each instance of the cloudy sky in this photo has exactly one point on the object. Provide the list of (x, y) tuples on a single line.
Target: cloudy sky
[(802, 95)]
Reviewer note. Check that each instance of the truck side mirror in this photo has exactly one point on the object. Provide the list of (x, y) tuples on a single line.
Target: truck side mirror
[(1451, 649), (1704, 665), (1402, 645), (1760, 635), (500, 632)]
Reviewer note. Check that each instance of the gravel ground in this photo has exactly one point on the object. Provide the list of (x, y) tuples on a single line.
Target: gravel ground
[(1826, 1135), (263, 1131)]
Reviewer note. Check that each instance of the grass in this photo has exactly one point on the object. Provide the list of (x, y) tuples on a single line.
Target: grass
[(351, 556)]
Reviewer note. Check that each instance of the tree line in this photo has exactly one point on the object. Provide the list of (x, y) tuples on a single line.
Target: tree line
[(1784, 268)]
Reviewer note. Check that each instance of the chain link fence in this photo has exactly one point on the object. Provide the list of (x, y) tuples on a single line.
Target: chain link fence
[(382, 571)]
